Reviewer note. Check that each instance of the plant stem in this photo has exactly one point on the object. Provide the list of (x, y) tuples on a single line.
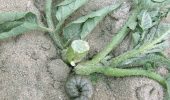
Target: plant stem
[(55, 37), (48, 11), (116, 72), (116, 40), (130, 54), (42, 28), (59, 25)]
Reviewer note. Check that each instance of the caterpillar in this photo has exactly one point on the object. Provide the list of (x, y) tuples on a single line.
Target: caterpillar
[(79, 88)]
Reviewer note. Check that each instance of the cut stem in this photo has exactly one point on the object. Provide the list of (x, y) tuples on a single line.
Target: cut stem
[(116, 72), (76, 52), (116, 40)]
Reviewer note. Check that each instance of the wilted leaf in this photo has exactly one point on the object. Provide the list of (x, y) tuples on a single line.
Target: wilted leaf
[(67, 7), (15, 23), (146, 21), (83, 26)]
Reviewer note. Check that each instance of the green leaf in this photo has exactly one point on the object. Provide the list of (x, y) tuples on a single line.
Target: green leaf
[(67, 7), (11, 16), (146, 4), (136, 38), (132, 25), (151, 35), (15, 23), (146, 21), (154, 13), (148, 58), (162, 28), (81, 27)]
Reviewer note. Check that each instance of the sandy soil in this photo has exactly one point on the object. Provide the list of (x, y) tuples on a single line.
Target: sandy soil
[(30, 68)]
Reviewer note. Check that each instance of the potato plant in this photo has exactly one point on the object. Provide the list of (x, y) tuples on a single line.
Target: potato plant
[(149, 39)]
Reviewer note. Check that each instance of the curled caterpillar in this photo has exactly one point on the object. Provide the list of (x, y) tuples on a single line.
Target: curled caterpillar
[(79, 88)]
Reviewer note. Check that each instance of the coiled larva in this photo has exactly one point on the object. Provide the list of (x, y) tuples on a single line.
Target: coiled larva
[(79, 88)]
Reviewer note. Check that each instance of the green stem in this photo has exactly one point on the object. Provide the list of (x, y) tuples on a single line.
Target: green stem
[(45, 29), (116, 40), (48, 11), (56, 38), (59, 25), (116, 72)]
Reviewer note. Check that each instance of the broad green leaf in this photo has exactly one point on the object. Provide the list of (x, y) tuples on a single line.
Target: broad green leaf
[(67, 7), (11, 16), (8, 25), (81, 27), (15, 23), (146, 21)]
